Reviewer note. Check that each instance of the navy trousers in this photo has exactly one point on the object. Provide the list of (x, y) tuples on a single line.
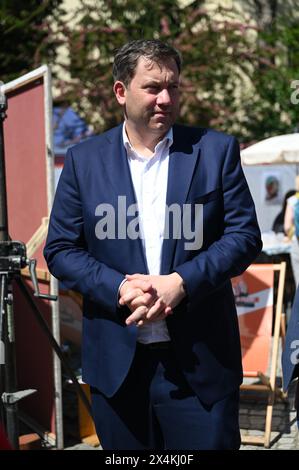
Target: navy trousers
[(155, 409)]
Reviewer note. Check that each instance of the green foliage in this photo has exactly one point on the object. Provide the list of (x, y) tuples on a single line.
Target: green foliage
[(268, 108), (213, 53), (100, 29), (26, 35), (237, 73)]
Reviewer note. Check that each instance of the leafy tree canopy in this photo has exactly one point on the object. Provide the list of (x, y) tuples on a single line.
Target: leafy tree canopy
[(26, 35), (217, 56), (238, 65)]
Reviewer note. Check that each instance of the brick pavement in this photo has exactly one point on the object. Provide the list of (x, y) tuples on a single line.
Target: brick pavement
[(284, 434)]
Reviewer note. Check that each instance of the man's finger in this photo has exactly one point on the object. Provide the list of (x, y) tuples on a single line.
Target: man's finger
[(137, 315), (156, 309), (146, 299), (159, 308), (160, 316), (132, 277), (136, 297), (168, 311), (143, 284), (130, 295)]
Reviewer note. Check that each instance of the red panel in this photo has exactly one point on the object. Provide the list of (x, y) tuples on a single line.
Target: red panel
[(26, 176), (25, 161)]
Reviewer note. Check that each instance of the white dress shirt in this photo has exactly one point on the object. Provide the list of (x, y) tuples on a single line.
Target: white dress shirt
[(149, 176)]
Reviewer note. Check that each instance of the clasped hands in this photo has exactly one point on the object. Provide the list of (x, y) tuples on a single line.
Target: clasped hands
[(151, 297)]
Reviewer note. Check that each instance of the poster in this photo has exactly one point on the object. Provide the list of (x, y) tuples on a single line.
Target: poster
[(272, 192), (253, 292)]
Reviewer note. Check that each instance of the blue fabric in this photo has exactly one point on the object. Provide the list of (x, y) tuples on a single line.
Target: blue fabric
[(68, 128), (296, 216), (167, 415), (204, 168), (290, 355)]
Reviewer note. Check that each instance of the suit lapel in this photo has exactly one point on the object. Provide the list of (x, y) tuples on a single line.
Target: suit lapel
[(183, 158), (117, 166), (118, 172)]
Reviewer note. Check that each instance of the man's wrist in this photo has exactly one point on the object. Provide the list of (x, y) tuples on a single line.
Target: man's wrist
[(181, 283), (118, 293)]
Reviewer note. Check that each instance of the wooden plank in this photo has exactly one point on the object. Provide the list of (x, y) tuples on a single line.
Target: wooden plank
[(258, 440), (41, 274), (91, 440), (256, 387), (37, 238)]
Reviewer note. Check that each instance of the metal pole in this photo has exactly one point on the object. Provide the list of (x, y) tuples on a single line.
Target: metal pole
[(11, 407), (3, 197), (10, 386), (46, 330), (57, 368), (54, 289)]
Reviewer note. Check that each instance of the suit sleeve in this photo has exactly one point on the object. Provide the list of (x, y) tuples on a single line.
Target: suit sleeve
[(240, 243), (66, 251)]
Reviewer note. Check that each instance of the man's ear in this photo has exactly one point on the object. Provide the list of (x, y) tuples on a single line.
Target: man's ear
[(120, 92)]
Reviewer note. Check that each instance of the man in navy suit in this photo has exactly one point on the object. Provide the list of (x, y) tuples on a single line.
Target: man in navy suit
[(150, 221), (290, 355)]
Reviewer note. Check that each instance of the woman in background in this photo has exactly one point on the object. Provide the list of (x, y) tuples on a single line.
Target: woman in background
[(289, 229), (278, 224)]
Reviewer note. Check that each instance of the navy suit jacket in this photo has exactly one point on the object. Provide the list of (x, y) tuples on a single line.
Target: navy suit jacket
[(204, 168), (290, 355)]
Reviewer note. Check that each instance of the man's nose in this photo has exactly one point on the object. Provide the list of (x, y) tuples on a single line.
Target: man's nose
[(164, 97)]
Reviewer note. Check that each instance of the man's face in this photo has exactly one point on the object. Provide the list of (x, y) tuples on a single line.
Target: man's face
[(151, 100)]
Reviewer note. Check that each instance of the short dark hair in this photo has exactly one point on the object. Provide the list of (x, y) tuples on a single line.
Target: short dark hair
[(126, 58)]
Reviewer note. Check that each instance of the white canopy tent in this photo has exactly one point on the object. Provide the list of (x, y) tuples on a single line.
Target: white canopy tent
[(274, 150), (276, 157)]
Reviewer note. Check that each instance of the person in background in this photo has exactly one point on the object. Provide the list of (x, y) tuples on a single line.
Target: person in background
[(150, 222), (290, 354), (68, 127), (289, 229), (278, 224)]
